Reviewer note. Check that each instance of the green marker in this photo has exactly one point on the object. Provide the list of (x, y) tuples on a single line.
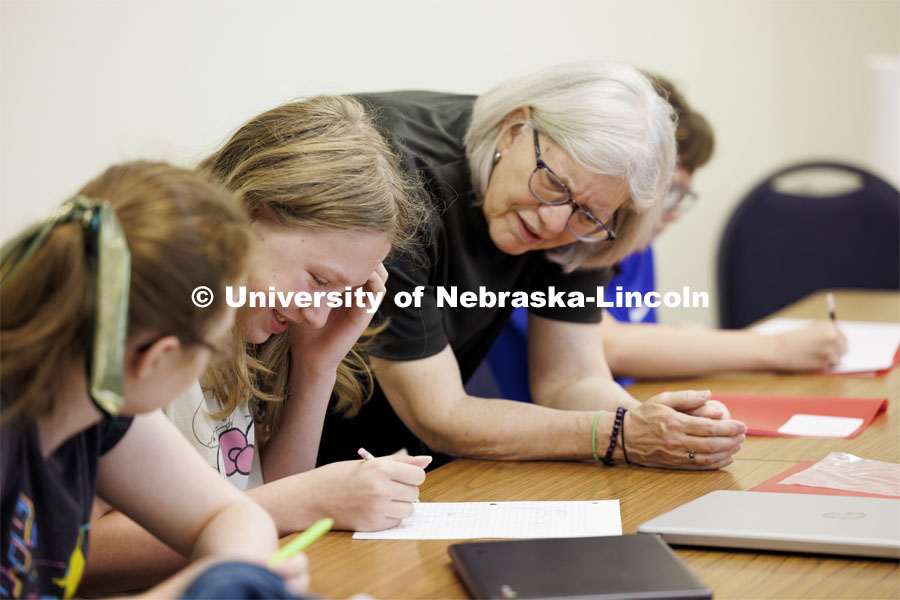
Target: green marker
[(303, 540)]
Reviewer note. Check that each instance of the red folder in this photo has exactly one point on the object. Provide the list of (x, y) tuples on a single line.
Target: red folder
[(763, 415), (772, 485), (894, 364)]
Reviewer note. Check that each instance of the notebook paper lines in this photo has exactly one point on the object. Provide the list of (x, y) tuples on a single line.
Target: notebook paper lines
[(470, 520)]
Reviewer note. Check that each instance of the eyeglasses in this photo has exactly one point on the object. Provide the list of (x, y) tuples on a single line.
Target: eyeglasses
[(546, 186), (679, 197)]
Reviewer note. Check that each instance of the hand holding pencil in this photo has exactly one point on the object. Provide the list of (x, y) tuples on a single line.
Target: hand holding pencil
[(292, 566), (812, 348), (371, 494), (299, 543)]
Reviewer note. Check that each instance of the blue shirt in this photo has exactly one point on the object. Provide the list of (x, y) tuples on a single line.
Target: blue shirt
[(508, 358)]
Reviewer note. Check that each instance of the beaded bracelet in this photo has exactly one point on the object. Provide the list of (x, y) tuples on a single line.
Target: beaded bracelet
[(624, 451), (594, 434), (614, 436)]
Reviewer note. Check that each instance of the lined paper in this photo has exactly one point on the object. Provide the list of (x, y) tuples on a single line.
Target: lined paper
[(471, 520), (871, 346)]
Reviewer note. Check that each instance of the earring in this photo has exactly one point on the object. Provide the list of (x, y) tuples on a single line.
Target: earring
[(497, 157)]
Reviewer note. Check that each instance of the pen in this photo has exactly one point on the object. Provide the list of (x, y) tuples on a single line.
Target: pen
[(829, 300), (303, 540), (365, 454)]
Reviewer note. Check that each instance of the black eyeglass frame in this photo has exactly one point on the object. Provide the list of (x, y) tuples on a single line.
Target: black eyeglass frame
[(541, 165)]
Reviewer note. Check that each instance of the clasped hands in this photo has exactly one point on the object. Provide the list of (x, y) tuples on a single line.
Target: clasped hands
[(682, 430)]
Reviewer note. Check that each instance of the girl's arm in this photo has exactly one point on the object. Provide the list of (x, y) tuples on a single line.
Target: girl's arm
[(315, 356), (294, 446), (156, 478), (123, 556), (359, 495)]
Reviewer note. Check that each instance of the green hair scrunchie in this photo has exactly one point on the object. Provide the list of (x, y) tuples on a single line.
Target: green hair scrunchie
[(105, 242)]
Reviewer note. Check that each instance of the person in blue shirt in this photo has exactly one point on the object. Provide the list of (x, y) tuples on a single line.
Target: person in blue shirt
[(635, 345)]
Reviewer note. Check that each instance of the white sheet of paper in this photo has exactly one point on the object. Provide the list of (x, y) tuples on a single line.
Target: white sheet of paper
[(870, 345), (470, 520), (820, 426)]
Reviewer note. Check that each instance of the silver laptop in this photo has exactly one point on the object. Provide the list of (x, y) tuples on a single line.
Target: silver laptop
[(848, 525)]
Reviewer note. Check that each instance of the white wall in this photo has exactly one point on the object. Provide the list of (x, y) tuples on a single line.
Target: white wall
[(88, 83)]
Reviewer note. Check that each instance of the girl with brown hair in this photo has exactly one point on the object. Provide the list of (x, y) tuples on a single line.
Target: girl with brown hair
[(98, 332)]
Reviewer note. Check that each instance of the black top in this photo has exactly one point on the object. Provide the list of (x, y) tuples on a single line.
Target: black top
[(47, 507), (427, 129)]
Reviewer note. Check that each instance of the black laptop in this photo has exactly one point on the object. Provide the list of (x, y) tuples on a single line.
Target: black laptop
[(611, 567)]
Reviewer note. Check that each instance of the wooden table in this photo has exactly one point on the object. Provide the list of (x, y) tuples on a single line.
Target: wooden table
[(389, 569)]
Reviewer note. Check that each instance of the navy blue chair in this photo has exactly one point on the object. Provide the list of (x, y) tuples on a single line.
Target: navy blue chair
[(779, 246)]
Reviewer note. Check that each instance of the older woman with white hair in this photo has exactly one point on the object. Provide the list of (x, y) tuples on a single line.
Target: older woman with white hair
[(539, 183)]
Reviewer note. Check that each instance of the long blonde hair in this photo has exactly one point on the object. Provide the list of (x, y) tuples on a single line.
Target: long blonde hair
[(181, 231), (317, 164)]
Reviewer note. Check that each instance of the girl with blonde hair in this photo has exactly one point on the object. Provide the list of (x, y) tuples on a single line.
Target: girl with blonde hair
[(327, 204)]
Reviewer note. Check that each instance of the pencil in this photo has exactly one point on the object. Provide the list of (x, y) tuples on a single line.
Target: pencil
[(314, 532), (829, 300)]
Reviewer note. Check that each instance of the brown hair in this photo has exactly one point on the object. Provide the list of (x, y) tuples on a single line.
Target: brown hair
[(181, 231), (694, 135), (318, 164)]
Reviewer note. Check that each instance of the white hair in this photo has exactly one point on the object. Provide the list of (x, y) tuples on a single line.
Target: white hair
[(609, 119)]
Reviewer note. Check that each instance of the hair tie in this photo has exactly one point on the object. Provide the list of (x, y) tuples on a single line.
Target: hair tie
[(106, 243)]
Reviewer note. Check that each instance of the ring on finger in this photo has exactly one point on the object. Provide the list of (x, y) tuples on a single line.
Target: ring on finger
[(691, 456)]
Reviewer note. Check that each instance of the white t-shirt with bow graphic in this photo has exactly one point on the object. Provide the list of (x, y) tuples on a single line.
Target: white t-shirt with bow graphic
[(228, 444)]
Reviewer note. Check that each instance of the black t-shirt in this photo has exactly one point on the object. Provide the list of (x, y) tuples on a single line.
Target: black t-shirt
[(427, 129), (47, 508)]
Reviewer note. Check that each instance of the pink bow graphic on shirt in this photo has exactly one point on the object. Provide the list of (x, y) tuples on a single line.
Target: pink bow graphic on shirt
[(237, 454)]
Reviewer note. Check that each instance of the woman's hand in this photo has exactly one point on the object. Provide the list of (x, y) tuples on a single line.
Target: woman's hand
[(664, 430), (320, 351), (370, 495), (713, 409), (812, 348)]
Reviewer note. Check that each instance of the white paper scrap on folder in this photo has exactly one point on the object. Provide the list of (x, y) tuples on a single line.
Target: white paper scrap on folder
[(871, 346), (471, 520), (820, 426)]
